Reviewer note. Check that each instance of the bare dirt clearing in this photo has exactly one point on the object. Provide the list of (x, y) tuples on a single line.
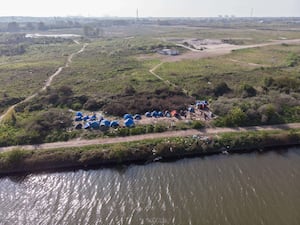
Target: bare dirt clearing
[(212, 49)]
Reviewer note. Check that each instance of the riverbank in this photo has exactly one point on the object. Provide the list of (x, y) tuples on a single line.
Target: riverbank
[(26, 161)]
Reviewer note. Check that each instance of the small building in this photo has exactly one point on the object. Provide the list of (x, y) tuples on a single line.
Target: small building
[(168, 51)]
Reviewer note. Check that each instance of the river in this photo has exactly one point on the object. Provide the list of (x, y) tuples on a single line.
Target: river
[(254, 188)]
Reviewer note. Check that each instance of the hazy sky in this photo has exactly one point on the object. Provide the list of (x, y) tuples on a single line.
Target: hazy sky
[(153, 8)]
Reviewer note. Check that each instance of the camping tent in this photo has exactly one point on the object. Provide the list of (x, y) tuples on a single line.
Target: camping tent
[(167, 113), (93, 117), (154, 114), (95, 125), (87, 125), (137, 117), (105, 123), (127, 116), (129, 123), (114, 123), (78, 118), (79, 114), (174, 113), (160, 114), (148, 114), (86, 118), (191, 109)]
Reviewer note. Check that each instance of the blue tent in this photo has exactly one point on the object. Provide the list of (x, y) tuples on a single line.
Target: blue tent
[(86, 118), (93, 117), (127, 116), (191, 109), (87, 126), (160, 114), (78, 118), (148, 114), (154, 114), (137, 117), (95, 125), (114, 123), (79, 114), (129, 122), (105, 123)]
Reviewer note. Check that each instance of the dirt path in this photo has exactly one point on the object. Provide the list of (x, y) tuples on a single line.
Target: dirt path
[(49, 81), (167, 82), (213, 51), (249, 63), (184, 133)]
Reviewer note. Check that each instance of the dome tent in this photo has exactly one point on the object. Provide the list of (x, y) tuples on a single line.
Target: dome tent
[(148, 114), (105, 123), (127, 116), (95, 125), (86, 118), (129, 123), (114, 123), (78, 118), (87, 125), (191, 109), (160, 114), (137, 117), (154, 114), (79, 114)]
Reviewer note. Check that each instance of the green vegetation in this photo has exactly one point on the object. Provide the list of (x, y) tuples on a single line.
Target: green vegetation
[(246, 87), (23, 160)]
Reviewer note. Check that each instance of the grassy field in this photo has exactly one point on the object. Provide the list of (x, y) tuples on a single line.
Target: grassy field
[(258, 85), (22, 75), (235, 68)]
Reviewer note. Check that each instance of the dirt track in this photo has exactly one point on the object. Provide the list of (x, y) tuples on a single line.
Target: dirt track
[(49, 81), (101, 141)]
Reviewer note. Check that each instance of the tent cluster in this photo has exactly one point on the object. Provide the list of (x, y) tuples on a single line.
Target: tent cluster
[(94, 122), (157, 114), (202, 104)]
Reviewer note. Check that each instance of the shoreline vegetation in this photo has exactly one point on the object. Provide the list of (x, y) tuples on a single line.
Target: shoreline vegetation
[(18, 161)]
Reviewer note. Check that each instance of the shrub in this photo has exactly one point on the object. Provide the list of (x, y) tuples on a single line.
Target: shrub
[(197, 125), (221, 89), (248, 91)]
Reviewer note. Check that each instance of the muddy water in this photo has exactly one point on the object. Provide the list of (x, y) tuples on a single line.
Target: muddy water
[(236, 189)]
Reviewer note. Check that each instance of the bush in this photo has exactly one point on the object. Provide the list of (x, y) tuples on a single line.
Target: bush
[(197, 125), (221, 89), (248, 91), (236, 117)]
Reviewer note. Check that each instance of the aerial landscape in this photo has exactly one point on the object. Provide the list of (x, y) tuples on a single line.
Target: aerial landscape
[(150, 116)]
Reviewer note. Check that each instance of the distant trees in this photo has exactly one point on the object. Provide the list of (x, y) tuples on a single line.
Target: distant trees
[(92, 32), (41, 26), (29, 26), (13, 27)]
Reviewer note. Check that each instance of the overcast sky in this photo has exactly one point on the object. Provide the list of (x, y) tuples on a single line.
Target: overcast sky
[(150, 8)]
